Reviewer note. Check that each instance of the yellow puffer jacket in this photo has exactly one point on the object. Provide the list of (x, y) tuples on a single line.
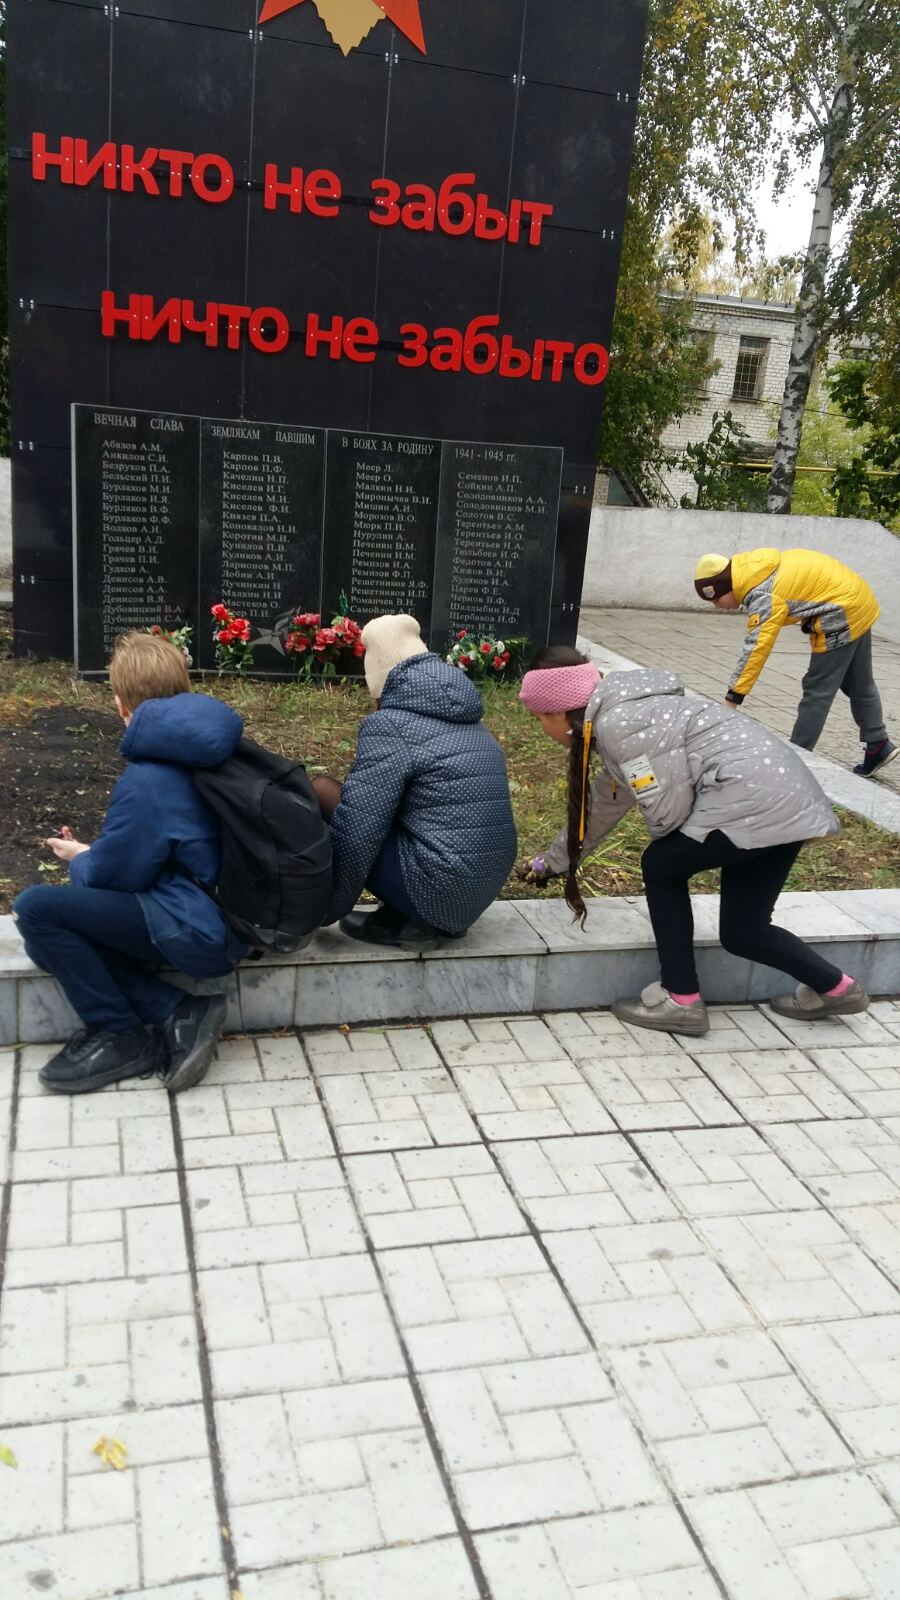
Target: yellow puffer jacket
[(832, 604)]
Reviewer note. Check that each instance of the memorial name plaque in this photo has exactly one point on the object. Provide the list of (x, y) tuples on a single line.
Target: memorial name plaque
[(378, 220), (496, 541), (135, 494), (177, 513), (380, 524), (261, 498)]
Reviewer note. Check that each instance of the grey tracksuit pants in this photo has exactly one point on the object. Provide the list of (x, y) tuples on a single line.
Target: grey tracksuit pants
[(848, 668)]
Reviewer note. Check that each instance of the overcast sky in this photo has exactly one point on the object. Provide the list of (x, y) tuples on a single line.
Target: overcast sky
[(787, 220)]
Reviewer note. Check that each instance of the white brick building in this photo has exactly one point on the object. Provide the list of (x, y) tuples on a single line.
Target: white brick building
[(751, 342)]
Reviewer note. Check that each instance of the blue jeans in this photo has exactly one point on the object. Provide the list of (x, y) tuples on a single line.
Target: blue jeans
[(95, 943), (386, 879)]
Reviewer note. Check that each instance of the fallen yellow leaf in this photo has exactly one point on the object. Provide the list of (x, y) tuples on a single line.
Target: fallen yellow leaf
[(7, 1457), (112, 1453)]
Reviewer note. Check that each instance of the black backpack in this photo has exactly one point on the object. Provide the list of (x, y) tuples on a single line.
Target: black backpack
[(274, 886)]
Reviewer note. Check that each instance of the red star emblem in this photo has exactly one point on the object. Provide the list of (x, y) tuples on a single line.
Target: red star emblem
[(403, 13)]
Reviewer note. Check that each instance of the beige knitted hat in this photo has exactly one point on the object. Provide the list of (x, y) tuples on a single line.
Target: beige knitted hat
[(388, 641)]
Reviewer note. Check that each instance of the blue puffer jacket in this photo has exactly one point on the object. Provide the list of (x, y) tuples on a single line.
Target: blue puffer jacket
[(157, 822), (427, 768)]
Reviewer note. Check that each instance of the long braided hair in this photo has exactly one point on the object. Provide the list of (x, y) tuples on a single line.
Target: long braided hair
[(579, 790)]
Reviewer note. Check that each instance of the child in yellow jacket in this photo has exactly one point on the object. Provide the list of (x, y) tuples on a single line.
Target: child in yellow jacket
[(832, 604)]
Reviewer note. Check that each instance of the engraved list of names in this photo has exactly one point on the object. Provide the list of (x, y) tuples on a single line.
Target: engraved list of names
[(174, 514), (496, 540), (380, 523), (137, 470), (261, 494)]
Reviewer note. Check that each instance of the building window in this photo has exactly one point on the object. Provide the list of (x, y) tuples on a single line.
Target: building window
[(748, 373)]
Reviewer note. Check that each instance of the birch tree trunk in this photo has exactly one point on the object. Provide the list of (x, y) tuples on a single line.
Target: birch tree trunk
[(811, 300)]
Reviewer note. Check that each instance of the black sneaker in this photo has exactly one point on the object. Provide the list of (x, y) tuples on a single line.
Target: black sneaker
[(101, 1059), (191, 1034), (393, 933), (876, 757), (74, 1048)]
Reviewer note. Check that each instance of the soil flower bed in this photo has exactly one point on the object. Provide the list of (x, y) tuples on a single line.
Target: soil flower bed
[(59, 754)]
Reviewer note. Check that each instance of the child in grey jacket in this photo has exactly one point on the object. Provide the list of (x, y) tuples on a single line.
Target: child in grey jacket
[(715, 790)]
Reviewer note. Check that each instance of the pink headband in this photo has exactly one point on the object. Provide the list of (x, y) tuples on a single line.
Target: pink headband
[(559, 688)]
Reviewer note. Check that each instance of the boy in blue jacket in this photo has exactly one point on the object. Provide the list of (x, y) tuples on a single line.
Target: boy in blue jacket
[(138, 893)]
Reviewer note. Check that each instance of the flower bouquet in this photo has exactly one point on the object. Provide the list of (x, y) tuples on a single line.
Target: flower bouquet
[(319, 650), (482, 656), (179, 637), (234, 652)]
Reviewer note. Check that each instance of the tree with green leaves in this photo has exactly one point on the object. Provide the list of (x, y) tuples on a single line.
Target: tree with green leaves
[(869, 484), (827, 445), (717, 465), (729, 89), (837, 64)]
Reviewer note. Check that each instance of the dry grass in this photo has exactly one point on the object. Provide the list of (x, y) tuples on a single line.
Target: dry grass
[(319, 724)]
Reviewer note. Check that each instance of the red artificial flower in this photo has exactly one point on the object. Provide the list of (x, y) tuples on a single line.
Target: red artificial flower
[(506, 655), (298, 642), (461, 634), (486, 648), (226, 636), (465, 661), (220, 612), (359, 648), (498, 663)]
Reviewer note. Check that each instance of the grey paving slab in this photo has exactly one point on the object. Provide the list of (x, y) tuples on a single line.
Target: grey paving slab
[(526, 1307)]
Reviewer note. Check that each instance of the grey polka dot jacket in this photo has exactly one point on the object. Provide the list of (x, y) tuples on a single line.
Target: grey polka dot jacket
[(696, 765), (427, 767)]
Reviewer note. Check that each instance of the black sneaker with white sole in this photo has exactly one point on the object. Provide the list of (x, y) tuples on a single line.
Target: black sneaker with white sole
[(191, 1034), (876, 756), (100, 1059)]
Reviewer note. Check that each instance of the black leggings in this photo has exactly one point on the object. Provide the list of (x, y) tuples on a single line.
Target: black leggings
[(752, 880)]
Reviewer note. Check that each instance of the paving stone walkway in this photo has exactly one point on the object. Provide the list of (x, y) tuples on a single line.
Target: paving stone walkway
[(521, 1309), (703, 648)]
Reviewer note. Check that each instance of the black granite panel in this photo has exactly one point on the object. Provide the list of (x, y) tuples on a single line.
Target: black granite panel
[(238, 16), (197, 98), (57, 355), (572, 150), (54, 48), (314, 109), (583, 45), (469, 35)]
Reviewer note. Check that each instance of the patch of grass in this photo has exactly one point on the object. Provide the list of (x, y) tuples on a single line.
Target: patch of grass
[(319, 725)]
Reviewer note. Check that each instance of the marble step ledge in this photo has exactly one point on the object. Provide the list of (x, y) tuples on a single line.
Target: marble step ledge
[(522, 956)]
